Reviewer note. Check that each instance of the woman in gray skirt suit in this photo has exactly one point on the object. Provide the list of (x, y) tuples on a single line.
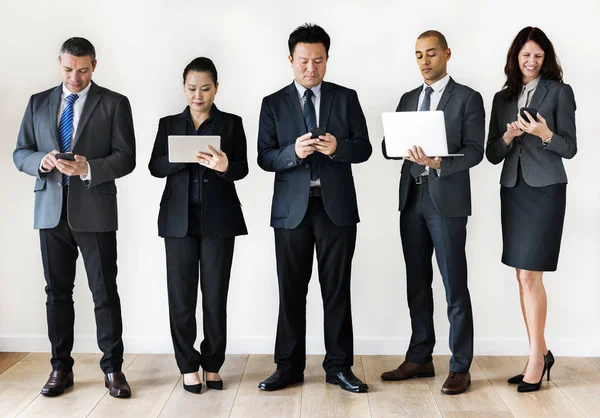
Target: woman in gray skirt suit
[(533, 180)]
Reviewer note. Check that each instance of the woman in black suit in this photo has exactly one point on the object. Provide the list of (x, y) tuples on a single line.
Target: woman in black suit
[(533, 180), (199, 217)]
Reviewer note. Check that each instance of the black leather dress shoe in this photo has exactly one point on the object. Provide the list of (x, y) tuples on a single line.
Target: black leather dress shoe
[(348, 381), (57, 382), (117, 385), (280, 379)]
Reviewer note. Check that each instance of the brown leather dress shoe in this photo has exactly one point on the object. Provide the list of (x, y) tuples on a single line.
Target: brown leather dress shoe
[(57, 382), (408, 370), (456, 383), (117, 385)]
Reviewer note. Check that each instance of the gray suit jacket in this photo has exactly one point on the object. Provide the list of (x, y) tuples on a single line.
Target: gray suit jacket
[(465, 132), (104, 136), (541, 164)]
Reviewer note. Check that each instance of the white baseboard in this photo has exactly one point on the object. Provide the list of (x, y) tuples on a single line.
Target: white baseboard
[(580, 347)]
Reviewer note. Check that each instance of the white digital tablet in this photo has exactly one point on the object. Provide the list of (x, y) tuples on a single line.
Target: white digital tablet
[(183, 148), (403, 130)]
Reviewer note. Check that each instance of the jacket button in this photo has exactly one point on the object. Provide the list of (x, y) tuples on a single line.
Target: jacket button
[(205, 180), (59, 184), (307, 166)]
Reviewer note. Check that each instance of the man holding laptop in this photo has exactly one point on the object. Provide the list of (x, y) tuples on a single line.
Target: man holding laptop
[(435, 201)]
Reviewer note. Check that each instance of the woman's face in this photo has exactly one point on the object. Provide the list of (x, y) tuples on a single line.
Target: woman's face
[(531, 59), (200, 91)]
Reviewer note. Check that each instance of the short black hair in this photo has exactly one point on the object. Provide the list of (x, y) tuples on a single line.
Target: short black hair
[(309, 33), (201, 64), (435, 34), (78, 47)]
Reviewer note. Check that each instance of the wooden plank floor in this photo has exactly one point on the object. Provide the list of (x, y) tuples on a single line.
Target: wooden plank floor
[(573, 391)]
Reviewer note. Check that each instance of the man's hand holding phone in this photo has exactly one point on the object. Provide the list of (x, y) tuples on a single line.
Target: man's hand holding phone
[(326, 143)]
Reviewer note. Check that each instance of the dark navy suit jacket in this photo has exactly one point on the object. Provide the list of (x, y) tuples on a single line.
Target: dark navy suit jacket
[(281, 123)]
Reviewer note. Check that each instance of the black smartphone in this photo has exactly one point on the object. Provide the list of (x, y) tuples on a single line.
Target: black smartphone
[(532, 111), (64, 156), (317, 131)]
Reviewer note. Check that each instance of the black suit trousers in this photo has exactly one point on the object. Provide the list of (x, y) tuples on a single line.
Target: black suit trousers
[(294, 252), (422, 230), (211, 258), (59, 247)]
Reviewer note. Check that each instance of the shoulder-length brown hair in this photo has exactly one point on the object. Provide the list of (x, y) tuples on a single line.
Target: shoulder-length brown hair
[(551, 69)]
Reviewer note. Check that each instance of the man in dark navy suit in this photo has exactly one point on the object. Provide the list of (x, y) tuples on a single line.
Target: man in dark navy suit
[(435, 202), (314, 202)]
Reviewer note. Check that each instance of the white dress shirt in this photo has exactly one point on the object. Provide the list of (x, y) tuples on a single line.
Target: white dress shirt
[(316, 99), (77, 109), (435, 97)]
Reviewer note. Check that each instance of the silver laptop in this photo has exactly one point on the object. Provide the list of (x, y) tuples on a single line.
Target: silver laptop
[(183, 148), (427, 130)]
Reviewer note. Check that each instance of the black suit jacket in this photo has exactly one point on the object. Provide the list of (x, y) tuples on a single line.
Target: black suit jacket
[(541, 164), (465, 132), (281, 123), (221, 209)]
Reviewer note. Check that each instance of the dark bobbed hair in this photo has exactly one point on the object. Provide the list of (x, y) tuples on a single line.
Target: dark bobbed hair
[(435, 34), (203, 65), (309, 33), (78, 47), (551, 69)]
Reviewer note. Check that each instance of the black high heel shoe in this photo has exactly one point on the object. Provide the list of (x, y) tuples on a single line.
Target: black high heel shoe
[(533, 387), (549, 359), (197, 388), (212, 384), (516, 379)]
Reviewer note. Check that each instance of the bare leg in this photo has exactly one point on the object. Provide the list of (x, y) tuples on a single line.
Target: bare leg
[(535, 303), (524, 313)]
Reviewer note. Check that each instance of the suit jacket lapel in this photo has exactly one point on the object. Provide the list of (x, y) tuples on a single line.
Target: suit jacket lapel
[(294, 104), (93, 97), (413, 101), (327, 96), (539, 95), (446, 95), (53, 109)]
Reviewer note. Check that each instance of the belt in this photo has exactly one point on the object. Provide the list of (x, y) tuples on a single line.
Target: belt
[(315, 192), (422, 179)]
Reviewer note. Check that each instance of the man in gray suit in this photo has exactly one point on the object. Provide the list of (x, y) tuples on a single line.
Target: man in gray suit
[(435, 201), (76, 139)]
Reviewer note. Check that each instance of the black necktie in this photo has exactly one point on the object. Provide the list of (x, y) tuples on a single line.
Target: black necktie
[(310, 118), (417, 169)]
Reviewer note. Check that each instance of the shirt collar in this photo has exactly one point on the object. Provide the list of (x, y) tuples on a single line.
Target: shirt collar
[(214, 113), (301, 89), (80, 96), (532, 84), (439, 85)]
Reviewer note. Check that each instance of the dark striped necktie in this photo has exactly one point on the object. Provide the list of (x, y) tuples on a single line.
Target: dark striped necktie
[(65, 128), (417, 169)]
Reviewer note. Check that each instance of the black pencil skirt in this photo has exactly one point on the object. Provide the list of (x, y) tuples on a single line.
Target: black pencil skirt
[(532, 224)]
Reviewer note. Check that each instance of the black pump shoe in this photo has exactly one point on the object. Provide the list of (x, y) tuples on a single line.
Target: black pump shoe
[(533, 387), (212, 384), (196, 389)]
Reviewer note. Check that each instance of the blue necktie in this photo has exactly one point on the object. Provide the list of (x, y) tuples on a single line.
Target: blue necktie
[(417, 169), (65, 129), (310, 118)]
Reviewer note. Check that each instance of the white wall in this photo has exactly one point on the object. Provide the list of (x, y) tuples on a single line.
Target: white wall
[(142, 49)]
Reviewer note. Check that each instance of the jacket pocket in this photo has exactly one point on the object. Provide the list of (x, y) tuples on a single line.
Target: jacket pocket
[(105, 188), (40, 184)]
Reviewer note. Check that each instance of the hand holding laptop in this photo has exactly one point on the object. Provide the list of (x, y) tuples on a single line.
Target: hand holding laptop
[(416, 155)]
